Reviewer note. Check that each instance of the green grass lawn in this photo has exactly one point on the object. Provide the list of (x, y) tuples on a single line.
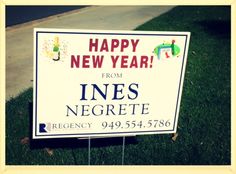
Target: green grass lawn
[(204, 120)]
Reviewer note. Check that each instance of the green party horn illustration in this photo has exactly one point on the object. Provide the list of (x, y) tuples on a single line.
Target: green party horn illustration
[(175, 50)]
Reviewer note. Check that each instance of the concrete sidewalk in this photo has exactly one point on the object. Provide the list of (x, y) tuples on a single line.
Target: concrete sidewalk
[(19, 38)]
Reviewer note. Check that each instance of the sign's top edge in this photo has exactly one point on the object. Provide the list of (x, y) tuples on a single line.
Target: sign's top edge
[(109, 31)]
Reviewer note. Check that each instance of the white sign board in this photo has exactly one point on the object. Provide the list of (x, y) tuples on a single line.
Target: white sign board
[(107, 83)]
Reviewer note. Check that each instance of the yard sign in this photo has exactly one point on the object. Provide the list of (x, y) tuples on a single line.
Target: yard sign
[(107, 83)]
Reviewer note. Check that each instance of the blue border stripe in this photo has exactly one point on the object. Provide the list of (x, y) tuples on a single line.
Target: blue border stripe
[(36, 86), (147, 34), (180, 79)]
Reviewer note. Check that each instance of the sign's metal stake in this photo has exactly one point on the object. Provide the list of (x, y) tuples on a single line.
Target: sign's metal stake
[(89, 146), (123, 151)]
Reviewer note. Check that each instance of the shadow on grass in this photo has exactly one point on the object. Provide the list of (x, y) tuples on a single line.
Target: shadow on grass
[(79, 143), (82, 143), (219, 28), (74, 142)]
